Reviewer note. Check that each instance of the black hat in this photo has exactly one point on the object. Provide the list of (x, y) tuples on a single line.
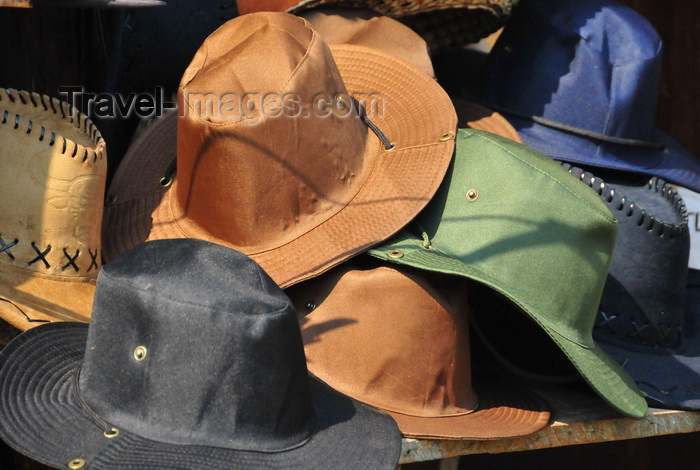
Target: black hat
[(193, 359), (646, 303)]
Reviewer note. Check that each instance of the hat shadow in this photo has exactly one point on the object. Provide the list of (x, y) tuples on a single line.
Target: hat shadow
[(314, 333), (292, 170), (547, 232)]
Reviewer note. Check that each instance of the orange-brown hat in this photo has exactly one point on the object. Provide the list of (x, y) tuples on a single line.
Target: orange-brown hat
[(400, 342), (53, 181), (301, 190)]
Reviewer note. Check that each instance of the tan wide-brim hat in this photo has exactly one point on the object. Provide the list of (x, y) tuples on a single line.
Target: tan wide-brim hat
[(301, 194), (52, 191), (399, 341)]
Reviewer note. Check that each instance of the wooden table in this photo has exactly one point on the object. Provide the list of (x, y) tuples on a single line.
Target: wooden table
[(577, 418)]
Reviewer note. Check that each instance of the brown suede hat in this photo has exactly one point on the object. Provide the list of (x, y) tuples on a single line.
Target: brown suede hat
[(400, 342), (298, 193), (53, 174)]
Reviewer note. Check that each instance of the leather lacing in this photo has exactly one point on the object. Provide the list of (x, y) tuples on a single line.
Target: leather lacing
[(41, 254), (627, 208), (68, 112)]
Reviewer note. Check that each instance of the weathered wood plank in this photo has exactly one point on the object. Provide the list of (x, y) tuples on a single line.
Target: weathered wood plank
[(577, 418)]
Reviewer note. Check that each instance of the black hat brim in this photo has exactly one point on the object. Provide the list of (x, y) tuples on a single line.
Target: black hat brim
[(40, 419)]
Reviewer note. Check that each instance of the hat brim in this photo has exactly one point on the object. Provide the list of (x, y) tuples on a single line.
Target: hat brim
[(502, 413), (674, 164), (60, 299), (40, 418), (476, 116), (596, 367), (419, 119), (669, 377)]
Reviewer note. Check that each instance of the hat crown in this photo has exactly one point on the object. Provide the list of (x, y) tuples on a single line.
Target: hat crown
[(260, 181), (389, 339), (192, 343), (597, 66), (550, 262), (54, 170)]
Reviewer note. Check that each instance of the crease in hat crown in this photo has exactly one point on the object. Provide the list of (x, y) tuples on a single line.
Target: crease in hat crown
[(54, 171), (298, 192)]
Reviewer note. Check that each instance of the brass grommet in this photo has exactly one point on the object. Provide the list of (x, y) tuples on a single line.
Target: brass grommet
[(310, 305), (341, 102), (472, 194), (111, 199), (395, 254), (140, 353), (165, 182), (77, 463), (446, 137), (114, 432), (392, 146)]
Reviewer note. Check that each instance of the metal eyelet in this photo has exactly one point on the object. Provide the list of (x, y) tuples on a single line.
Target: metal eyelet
[(395, 254), (111, 199), (114, 432), (76, 463), (472, 194), (446, 137), (310, 305), (165, 182), (392, 146), (341, 102), (140, 353)]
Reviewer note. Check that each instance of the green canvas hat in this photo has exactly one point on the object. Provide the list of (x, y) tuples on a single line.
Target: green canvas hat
[(515, 220)]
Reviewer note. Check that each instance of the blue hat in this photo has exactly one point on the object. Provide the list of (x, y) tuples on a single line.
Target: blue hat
[(579, 82)]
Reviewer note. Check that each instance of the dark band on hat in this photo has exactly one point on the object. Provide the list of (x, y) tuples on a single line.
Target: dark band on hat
[(579, 131)]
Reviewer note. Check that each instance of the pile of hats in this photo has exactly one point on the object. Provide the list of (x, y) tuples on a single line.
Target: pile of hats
[(288, 270)]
